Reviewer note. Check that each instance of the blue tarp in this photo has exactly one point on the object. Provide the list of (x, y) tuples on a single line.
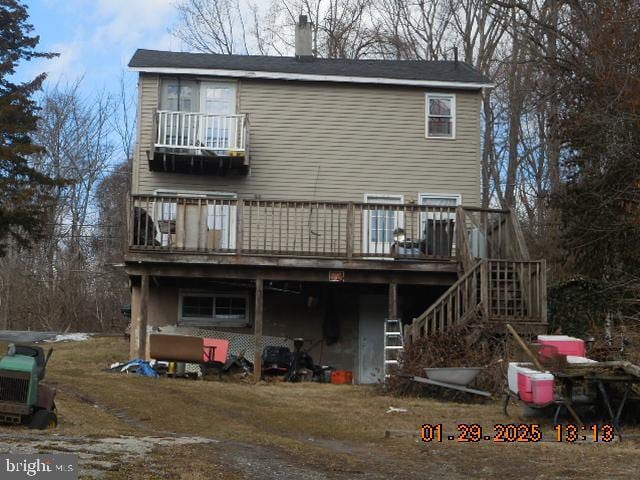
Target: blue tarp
[(142, 368)]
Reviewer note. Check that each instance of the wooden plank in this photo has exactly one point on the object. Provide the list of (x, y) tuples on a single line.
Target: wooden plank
[(258, 313), (525, 347), (142, 318), (393, 300), (407, 334), (239, 226), (350, 229), (518, 240), (161, 256), (484, 287), (543, 291)]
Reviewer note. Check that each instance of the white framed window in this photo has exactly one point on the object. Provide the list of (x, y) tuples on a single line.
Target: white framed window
[(440, 115), (221, 309), (379, 223), (440, 199), (179, 96)]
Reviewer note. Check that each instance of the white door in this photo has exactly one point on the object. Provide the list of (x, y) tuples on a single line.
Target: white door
[(221, 224), (380, 222), (373, 310), (218, 103)]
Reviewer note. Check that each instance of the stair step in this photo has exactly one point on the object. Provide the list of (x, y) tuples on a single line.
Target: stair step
[(394, 347), (391, 362), (393, 334)]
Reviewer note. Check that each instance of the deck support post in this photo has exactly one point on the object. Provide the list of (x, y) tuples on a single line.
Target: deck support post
[(350, 229), (139, 322), (257, 363), (393, 301)]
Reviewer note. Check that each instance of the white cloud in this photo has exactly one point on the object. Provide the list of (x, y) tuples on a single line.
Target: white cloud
[(105, 33), (131, 24), (67, 64)]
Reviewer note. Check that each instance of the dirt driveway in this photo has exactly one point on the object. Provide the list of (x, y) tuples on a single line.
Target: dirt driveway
[(128, 427)]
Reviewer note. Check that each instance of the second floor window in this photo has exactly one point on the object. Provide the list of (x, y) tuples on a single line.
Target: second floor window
[(440, 118), (179, 96)]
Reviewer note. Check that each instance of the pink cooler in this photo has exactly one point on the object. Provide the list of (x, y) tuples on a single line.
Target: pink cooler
[(525, 389), (542, 388), (535, 387), (566, 345)]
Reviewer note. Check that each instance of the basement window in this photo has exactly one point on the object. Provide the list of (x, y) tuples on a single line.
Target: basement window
[(213, 309), (440, 115)]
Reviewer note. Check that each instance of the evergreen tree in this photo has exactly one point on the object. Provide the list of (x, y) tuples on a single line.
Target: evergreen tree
[(24, 191)]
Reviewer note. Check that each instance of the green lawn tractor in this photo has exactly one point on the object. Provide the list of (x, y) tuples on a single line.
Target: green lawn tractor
[(23, 399)]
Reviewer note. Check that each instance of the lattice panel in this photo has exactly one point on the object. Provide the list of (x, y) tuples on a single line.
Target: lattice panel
[(238, 342)]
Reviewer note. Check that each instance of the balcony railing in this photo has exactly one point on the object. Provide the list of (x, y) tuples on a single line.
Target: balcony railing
[(336, 230), (221, 134)]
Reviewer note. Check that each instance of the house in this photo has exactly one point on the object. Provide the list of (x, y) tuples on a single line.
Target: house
[(282, 197)]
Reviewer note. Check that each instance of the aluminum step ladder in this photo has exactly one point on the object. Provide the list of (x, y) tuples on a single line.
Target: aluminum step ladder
[(393, 344)]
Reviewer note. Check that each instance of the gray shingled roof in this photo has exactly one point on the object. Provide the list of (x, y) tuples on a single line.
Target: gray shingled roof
[(439, 71)]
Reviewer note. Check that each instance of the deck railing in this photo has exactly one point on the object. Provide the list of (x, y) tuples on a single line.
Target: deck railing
[(500, 283), (345, 230), (200, 131)]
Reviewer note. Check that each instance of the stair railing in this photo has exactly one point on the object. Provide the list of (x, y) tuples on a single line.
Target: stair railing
[(455, 306), (485, 238)]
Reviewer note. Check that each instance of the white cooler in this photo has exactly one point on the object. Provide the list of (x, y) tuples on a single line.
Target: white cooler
[(512, 374)]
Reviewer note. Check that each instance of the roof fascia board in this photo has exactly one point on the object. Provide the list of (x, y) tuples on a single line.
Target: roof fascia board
[(310, 77)]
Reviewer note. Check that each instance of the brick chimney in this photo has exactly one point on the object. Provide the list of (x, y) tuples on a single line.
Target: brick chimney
[(304, 49)]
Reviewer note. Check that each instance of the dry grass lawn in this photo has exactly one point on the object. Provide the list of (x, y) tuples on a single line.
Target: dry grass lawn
[(188, 429)]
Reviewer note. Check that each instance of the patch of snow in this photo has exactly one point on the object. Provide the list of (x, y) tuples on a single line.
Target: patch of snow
[(70, 337), (396, 410)]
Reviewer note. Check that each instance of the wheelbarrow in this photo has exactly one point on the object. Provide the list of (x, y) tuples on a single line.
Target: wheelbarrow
[(456, 378)]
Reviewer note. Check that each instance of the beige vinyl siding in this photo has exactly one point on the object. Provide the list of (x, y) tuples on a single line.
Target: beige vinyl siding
[(321, 141)]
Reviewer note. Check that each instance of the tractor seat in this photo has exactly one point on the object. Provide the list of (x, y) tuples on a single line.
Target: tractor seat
[(37, 353)]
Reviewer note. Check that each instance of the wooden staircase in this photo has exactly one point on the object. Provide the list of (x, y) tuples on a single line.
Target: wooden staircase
[(498, 284)]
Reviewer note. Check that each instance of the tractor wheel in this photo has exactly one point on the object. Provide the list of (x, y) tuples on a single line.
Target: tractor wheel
[(43, 420)]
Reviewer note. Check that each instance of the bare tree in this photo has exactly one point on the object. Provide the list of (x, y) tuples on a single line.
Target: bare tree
[(213, 26), (64, 282)]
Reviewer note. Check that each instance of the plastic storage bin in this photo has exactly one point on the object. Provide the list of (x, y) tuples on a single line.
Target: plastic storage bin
[(542, 388), (566, 345), (341, 377)]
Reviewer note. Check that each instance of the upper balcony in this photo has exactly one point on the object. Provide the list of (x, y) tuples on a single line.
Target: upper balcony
[(193, 142)]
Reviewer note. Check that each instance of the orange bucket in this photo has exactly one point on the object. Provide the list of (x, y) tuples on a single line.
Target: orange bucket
[(341, 377)]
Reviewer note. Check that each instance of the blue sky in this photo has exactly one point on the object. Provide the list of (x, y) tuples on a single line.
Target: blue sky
[(96, 38)]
